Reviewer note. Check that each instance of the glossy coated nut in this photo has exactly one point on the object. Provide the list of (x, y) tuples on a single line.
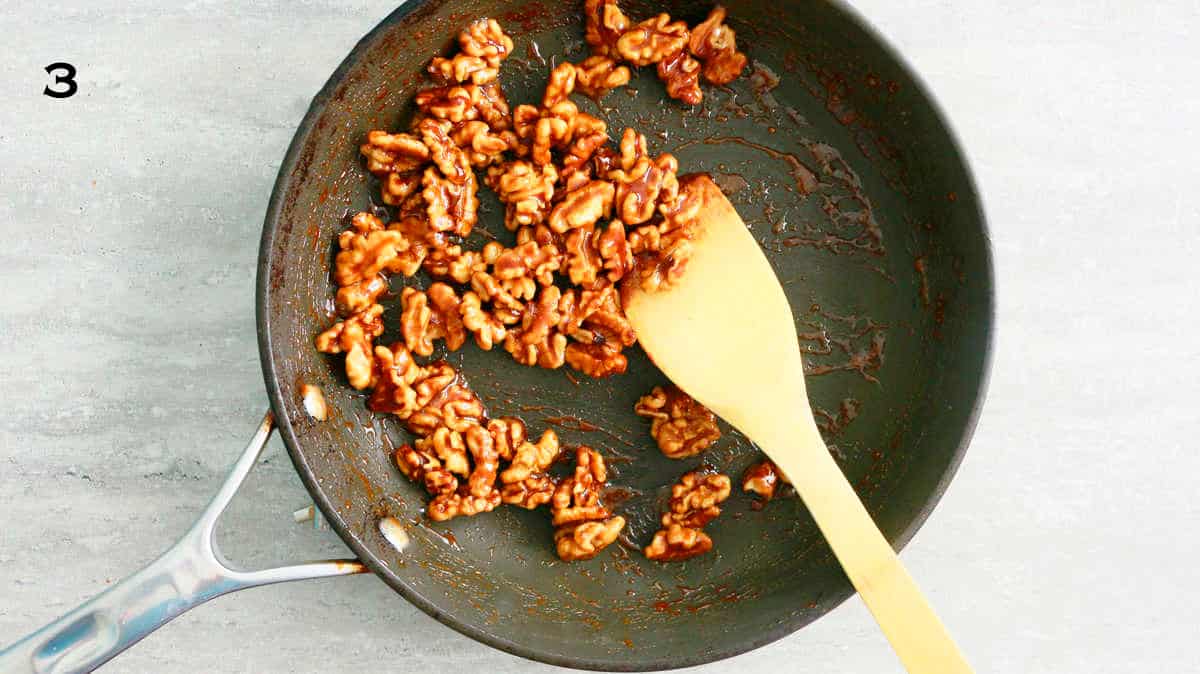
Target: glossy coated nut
[(525, 189), (681, 426), (681, 74), (676, 543), (652, 40), (393, 152), (451, 207), (763, 479), (531, 458), (459, 504), (449, 447), (487, 330), (508, 433), (431, 315), (560, 86), (485, 39), (463, 68), (528, 493), (355, 337), (586, 540), (716, 44), (582, 207), (695, 499), (596, 360), (604, 24), (394, 377), (595, 76)]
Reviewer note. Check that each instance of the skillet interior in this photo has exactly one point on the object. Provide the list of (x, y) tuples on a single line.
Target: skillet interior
[(886, 265)]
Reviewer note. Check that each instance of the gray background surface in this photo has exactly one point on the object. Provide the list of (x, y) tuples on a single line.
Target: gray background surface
[(130, 217)]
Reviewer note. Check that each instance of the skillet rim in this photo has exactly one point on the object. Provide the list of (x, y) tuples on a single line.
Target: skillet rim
[(653, 663)]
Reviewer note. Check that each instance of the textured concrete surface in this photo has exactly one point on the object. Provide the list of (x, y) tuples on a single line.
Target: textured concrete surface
[(130, 217)]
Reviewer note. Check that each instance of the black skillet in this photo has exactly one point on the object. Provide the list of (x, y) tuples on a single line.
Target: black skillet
[(887, 266)]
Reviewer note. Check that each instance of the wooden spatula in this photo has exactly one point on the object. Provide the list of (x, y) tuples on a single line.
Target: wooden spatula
[(724, 333)]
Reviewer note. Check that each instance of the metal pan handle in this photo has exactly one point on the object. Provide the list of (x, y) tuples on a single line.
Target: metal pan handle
[(188, 574)]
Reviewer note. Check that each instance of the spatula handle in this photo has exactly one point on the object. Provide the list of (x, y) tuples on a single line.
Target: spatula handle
[(907, 619)]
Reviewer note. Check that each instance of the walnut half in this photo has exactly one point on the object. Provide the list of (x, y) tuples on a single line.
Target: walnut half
[(695, 501), (681, 426), (583, 525), (763, 479)]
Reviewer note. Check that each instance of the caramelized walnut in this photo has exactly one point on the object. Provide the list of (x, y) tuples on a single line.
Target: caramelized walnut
[(507, 297), (486, 460), (716, 44), (596, 360), (393, 153), (695, 499), (454, 263), (355, 337), (360, 296), (482, 146), (529, 493), (586, 540), (452, 207), (681, 209), (508, 433), (577, 498), (430, 315), (560, 86), (527, 260), (491, 106), (532, 458), (461, 503), (552, 129), (547, 351), (541, 234), (366, 250), (662, 251), (681, 426), (485, 39), (440, 481), (453, 103), (541, 316), (652, 40), (424, 468), (694, 502), (597, 75), (597, 318), (484, 45), (640, 188), (577, 156), (395, 375), (397, 188), (582, 206), (525, 482), (449, 447), (443, 151), (614, 250), (463, 68), (454, 406), (605, 22), (676, 543), (525, 189), (487, 330), (763, 478), (681, 74), (583, 260)]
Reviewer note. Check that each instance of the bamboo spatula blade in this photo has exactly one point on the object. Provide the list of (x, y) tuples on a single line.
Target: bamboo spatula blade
[(724, 333)]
